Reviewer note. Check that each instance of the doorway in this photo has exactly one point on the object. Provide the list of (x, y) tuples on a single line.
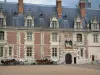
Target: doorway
[(93, 58), (68, 58), (74, 60)]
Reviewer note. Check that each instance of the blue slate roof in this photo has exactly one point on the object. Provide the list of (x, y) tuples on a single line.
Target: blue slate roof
[(43, 13)]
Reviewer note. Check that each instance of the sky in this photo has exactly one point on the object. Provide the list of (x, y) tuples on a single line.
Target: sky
[(69, 3)]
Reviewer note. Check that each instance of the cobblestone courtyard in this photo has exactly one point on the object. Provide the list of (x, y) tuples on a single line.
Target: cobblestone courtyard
[(51, 70)]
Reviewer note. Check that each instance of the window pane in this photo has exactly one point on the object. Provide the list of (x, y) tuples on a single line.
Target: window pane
[(1, 35), (54, 37), (29, 22), (29, 51), (10, 51), (29, 36), (81, 52), (1, 21), (79, 37), (54, 52), (95, 37), (1, 51), (54, 24)]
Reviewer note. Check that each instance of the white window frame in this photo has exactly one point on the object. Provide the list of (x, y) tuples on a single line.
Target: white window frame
[(78, 25), (54, 37), (95, 38), (54, 52), (54, 24), (11, 51), (2, 37), (79, 38), (29, 36), (29, 51), (95, 26), (1, 21), (29, 22)]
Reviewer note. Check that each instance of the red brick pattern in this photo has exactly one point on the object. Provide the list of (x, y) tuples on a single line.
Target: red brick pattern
[(46, 38), (37, 39), (12, 37), (37, 51)]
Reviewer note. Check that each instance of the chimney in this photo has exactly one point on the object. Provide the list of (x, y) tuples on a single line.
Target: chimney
[(20, 6), (82, 8), (59, 8)]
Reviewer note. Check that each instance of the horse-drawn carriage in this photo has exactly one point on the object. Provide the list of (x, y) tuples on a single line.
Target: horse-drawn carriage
[(8, 61), (11, 61), (44, 61)]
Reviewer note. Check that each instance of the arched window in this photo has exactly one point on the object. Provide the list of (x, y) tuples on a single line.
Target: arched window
[(79, 37), (1, 35)]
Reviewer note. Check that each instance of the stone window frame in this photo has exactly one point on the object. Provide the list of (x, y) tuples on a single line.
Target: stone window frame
[(79, 39), (29, 22), (29, 37), (30, 53), (2, 35), (95, 38), (54, 52), (54, 37), (1, 21), (1, 53), (11, 50)]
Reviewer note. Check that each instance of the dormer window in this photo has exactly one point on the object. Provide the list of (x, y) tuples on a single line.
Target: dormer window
[(54, 24), (29, 22), (78, 25), (95, 26), (1, 21), (2, 18)]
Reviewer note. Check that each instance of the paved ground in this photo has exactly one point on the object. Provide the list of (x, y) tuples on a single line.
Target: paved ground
[(87, 66), (50, 70)]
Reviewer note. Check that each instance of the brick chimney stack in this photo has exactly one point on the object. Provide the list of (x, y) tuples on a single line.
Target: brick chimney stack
[(59, 8), (82, 8), (20, 6)]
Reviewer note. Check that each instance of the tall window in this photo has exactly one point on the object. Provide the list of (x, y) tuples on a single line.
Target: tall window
[(54, 37), (10, 51), (1, 51), (78, 25), (54, 52), (95, 26), (29, 36), (95, 38), (1, 21), (1, 35), (81, 52), (29, 22), (54, 24), (29, 51), (79, 37)]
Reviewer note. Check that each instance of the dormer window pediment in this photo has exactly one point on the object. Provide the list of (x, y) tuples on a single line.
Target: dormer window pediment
[(29, 20), (2, 18), (54, 22), (78, 23), (94, 24)]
